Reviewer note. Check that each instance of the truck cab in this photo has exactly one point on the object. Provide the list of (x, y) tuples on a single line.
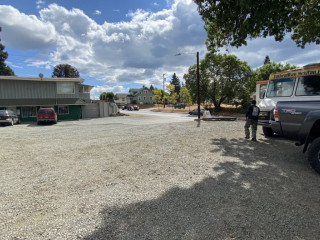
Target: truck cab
[(301, 84), (261, 87)]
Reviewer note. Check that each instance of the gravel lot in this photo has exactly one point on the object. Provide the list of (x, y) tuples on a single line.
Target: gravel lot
[(152, 177)]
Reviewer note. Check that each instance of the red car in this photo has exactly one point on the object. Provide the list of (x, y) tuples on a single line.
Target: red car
[(46, 115)]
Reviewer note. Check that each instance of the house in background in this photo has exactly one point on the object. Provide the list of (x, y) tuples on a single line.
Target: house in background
[(121, 99), (143, 95), (25, 95)]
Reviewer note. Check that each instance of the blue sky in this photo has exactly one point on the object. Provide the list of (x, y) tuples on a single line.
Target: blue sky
[(122, 44)]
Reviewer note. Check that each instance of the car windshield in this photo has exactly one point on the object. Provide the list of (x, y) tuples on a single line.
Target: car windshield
[(280, 87), (2, 113), (45, 111)]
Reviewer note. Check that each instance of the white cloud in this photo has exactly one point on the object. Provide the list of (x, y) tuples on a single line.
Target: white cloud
[(97, 12), (96, 91), (283, 52), (26, 32), (128, 52), (40, 3)]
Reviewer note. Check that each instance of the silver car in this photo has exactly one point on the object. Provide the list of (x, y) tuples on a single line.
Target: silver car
[(8, 117)]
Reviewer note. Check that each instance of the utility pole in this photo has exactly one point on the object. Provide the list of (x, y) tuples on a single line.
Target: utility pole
[(198, 83), (198, 86), (164, 80)]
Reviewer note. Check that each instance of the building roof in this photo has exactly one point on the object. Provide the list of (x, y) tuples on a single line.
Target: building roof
[(42, 102), (80, 80), (122, 94)]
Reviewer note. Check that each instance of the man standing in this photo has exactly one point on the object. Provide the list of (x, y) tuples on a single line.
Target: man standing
[(252, 120)]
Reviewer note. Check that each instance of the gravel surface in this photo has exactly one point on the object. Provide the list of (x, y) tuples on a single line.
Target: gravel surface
[(147, 177)]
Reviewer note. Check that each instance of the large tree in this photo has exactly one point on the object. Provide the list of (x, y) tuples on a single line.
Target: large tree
[(185, 96), (267, 60), (107, 96), (233, 22), (176, 82), (172, 97), (158, 96), (191, 84), (65, 71), (222, 78), (4, 69)]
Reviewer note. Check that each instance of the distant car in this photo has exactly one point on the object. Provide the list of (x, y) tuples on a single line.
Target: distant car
[(46, 115), (8, 117), (195, 112), (136, 107), (125, 107), (179, 105), (130, 108)]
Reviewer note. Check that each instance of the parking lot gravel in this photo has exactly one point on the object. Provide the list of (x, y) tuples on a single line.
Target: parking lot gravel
[(147, 177)]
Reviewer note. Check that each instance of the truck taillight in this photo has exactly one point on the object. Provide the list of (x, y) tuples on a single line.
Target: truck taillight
[(276, 114)]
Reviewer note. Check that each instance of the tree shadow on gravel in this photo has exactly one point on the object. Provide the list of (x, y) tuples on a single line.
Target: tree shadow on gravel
[(260, 190)]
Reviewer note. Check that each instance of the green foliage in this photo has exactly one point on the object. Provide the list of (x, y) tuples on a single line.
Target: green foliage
[(65, 71), (4, 69), (157, 96), (266, 60), (222, 78), (264, 71), (107, 96), (191, 84), (232, 22), (173, 96), (185, 96), (176, 82)]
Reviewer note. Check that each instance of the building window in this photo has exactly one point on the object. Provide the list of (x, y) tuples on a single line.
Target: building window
[(150, 98), (65, 88), (63, 110), (29, 111), (144, 98), (139, 98)]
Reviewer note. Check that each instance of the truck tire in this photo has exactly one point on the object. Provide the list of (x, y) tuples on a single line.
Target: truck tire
[(314, 154), (267, 131)]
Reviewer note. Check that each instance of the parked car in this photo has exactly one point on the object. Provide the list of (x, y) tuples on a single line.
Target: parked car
[(46, 115), (179, 105), (195, 112), (128, 107), (136, 107), (8, 117)]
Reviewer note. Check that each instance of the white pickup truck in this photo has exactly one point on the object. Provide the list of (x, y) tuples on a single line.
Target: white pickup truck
[(292, 85)]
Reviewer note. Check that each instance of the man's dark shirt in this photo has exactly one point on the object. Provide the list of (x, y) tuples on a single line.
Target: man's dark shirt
[(249, 113)]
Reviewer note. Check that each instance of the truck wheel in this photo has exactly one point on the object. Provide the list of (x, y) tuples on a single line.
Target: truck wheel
[(267, 131), (314, 154)]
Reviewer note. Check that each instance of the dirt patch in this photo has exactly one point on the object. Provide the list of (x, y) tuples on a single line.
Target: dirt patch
[(227, 110)]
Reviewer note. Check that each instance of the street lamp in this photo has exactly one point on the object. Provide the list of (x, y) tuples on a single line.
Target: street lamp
[(198, 83)]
